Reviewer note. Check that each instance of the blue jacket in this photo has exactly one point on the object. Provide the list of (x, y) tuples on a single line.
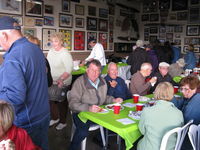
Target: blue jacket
[(190, 108), (190, 60), (177, 54), (24, 83), (120, 90)]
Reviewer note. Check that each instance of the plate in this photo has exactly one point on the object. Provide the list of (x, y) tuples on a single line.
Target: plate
[(143, 99), (130, 105), (103, 111), (111, 107), (135, 115)]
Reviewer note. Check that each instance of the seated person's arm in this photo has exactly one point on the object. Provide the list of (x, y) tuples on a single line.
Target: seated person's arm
[(142, 123), (140, 85), (178, 102)]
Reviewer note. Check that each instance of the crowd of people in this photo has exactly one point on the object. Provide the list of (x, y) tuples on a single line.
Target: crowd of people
[(35, 92)]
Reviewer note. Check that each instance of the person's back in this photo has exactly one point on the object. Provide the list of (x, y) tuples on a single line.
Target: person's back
[(176, 53)]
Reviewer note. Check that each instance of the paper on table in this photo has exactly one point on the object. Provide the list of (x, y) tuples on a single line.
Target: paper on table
[(130, 105), (125, 121)]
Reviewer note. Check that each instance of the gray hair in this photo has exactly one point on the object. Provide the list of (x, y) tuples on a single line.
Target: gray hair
[(145, 66), (139, 43), (109, 65)]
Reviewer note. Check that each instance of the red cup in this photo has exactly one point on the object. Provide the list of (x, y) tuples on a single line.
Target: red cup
[(135, 98), (139, 107), (175, 89), (117, 108)]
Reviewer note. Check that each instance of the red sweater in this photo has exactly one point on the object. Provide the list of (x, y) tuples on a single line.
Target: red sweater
[(21, 139)]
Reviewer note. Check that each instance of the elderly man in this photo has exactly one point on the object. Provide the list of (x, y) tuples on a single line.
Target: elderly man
[(116, 85), (138, 83), (88, 92), (24, 81)]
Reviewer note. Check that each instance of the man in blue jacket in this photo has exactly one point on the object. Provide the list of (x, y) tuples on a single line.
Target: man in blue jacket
[(24, 82)]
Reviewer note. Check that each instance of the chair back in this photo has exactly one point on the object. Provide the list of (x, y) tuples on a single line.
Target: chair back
[(193, 136), (128, 82)]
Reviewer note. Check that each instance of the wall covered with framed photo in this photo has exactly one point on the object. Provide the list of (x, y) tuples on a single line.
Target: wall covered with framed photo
[(46, 38), (79, 40), (34, 8), (91, 23), (67, 38), (11, 7), (65, 20)]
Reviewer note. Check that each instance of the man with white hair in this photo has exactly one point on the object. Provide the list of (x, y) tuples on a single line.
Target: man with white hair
[(137, 57), (138, 83), (24, 81)]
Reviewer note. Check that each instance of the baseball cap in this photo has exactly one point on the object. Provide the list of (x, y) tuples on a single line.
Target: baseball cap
[(7, 23), (163, 64)]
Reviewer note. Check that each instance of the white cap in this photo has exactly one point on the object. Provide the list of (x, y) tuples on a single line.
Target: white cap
[(163, 64)]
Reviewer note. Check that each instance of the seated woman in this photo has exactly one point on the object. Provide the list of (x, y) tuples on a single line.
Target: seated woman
[(157, 120), (18, 136), (116, 85), (189, 105)]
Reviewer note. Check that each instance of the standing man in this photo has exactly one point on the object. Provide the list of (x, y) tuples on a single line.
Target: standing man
[(97, 52), (24, 81)]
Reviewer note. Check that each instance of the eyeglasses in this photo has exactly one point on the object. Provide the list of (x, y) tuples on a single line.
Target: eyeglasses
[(184, 89)]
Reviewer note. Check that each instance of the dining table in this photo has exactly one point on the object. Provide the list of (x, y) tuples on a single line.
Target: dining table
[(130, 132)]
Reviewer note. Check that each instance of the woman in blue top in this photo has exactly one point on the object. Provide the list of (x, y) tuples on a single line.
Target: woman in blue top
[(190, 58)]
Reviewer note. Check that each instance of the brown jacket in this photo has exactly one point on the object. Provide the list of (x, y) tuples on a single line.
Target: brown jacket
[(139, 85), (83, 94)]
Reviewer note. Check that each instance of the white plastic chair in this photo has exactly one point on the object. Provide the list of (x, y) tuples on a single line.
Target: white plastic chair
[(193, 136), (180, 131), (128, 82)]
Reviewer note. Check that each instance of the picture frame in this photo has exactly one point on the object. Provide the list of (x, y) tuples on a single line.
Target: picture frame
[(48, 21), (91, 11), (182, 16), (11, 7), (79, 22), (187, 41), (19, 20), (65, 20), (48, 9), (154, 17), (162, 35), (152, 38), (110, 37), (194, 2), (194, 15), (103, 25), (46, 38), (192, 30), (39, 22), (79, 40), (79, 9), (111, 9), (185, 49), (67, 38), (195, 41), (111, 22), (29, 21), (91, 35), (153, 30), (162, 29), (103, 12), (196, 49), (169, 36), (29, 31), (172, 16), (103, 39), (178, 5), (178, 29), (34, 8), (169, 29), (91, 23), (65, 5), (177, 35), (145, 17), (150, 6)]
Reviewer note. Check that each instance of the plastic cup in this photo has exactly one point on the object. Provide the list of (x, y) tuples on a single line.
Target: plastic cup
[(117, 108), (175, 89), (139, 107), (135, 98), (151, 103)]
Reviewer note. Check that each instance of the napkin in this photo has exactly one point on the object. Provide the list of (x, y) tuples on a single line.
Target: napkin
[(125, 121), (130, 105)]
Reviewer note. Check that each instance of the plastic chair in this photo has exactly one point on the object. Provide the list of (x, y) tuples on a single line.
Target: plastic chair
[(193, 136), (128, 83), (180, 131)]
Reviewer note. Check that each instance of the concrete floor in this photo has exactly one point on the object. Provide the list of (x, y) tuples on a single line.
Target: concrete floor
[(60, 140)]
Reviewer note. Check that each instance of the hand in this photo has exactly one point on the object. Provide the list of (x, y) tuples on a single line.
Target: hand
[(7, 145), (94, 108), (153, 80), (60, 83), (113, 83), (118, 100)]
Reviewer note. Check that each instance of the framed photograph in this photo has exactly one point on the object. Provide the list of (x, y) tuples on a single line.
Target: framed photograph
[(145, 17), (196, 49), (19, 20), (162, 35), (111, 22), (146, 30), (185, 49), (179, 5), (146, 36), (195, 41), (169, 29), (187, 41), (79, 9), (103, 25), (110, 36), (153, 38), (182, 15), (79, 22), (169, 36), (65, 5), (111, 9), (91, 23), (30, 31), (153, 30), (11, 7), (65, 20), (29, 21), (154, 17), (192, 30), (172, 16), (103, 13), (38, 22), (91, 35), (162, 29), (103, 39), (48, 21), (164, 4), (177, 35), (194, 15), (150, 6), (91, 11), (48, 9), (79, 40), (194, 2), (178, 29), (34, 8), (67, 38), (46, 38), (177, 41)]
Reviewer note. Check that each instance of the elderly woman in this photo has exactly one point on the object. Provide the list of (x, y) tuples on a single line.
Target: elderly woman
[(189, 105), (61, 64), (12, 137), (157, 120)]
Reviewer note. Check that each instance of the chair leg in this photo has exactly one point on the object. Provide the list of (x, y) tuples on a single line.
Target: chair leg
[(106, 137), (119, 142), (103, 136), (83, 144), (72, 131)]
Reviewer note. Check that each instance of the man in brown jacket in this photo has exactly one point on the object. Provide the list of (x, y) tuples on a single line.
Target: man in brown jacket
[(138, 83), (88, 92)]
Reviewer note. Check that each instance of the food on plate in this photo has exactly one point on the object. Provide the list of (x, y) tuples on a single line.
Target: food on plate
[(110, 107)]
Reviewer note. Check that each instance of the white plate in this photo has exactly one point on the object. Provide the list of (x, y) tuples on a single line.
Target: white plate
[(111, 107), (135, 115), (143, 99), (103, 111), (130, 105)]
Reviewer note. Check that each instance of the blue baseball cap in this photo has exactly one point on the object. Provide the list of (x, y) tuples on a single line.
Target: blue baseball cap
[(7, 23)]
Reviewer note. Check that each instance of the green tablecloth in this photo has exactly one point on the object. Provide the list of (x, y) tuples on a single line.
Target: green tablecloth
[(105, 69), (130, 133), (177, 79)]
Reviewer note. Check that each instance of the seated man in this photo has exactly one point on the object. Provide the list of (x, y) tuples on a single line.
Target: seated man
[(138, 83), (116, 85), (88, 92)]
